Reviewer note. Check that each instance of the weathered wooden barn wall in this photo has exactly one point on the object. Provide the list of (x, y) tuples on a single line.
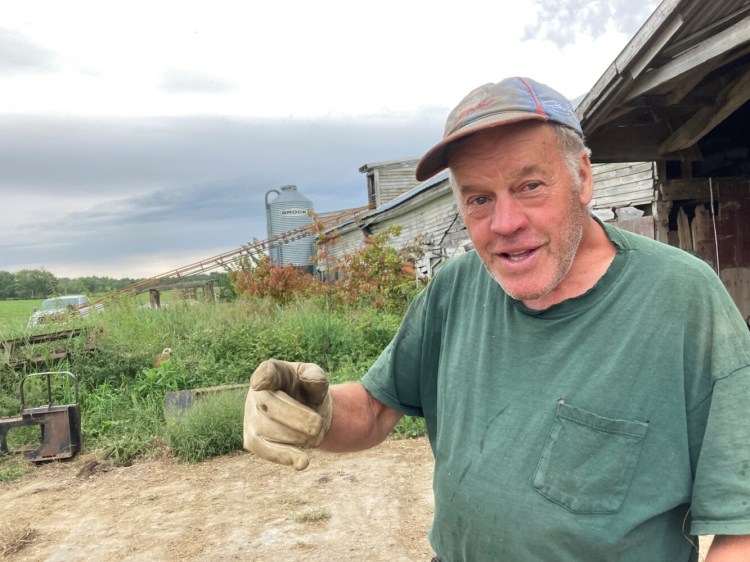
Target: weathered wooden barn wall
[(388, 180), (425, 223), (722, 237), (618, 189), (623, 184), (427, 216), (339, 242)]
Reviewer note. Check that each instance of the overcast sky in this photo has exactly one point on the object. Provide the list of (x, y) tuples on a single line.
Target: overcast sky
[(138, 137)]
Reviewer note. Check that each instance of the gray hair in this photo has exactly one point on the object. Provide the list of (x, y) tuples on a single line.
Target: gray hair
[(572, 147)]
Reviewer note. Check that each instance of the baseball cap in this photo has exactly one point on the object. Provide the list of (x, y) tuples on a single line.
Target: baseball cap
[(491, 105)]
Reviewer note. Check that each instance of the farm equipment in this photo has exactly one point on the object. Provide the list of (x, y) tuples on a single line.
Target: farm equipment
[(60, 424)]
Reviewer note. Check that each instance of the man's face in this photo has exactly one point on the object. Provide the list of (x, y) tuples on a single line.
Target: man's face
[(521, 208)]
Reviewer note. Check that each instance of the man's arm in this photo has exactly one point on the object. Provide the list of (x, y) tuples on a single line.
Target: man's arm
[(359, 421), (729, 548)]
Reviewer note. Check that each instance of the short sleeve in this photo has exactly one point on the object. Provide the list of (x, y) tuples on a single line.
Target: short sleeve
[(721, 490), (394, 378)]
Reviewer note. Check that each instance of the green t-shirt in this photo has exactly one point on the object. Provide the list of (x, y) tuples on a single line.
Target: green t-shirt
[(611, 426)]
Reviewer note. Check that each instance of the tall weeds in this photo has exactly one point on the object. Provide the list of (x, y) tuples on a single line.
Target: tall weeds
[(122, 389)]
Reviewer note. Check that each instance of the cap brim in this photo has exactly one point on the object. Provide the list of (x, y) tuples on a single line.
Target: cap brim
[(436, 159)]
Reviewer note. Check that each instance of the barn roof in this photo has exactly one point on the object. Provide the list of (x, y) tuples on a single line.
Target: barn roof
[(678, 80)]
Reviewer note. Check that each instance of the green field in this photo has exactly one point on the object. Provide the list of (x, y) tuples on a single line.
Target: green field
[(14, 315)]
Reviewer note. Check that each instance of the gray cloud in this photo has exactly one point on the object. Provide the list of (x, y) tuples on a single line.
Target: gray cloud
[(49, 154), (174, 184), (188, 81), (18, 54), (560, 21)]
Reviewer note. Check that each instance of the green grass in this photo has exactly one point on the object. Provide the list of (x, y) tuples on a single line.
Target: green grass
[(14, 316), (313, 516), (410, 427), (12, 468)]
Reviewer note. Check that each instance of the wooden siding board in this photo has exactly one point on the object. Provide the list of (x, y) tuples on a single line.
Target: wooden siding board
[(622, 183), (606, 171), (621, 200), (394, 180), (434, 218), (623, 179), (641, 186), (432, 212)]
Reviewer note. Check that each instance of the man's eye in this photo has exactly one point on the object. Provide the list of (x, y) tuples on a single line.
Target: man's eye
[(532, 186), (481, 200)]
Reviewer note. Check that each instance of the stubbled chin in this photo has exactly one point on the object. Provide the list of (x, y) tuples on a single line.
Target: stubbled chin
[(523, 293), (520, 285)]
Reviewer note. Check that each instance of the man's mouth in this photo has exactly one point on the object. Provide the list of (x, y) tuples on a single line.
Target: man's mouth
[(518, 257)]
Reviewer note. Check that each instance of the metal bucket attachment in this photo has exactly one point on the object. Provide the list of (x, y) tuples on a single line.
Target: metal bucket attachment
[(60, 424)]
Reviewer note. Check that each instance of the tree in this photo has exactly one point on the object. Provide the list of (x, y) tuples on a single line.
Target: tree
[(7, 285), (35, 284)]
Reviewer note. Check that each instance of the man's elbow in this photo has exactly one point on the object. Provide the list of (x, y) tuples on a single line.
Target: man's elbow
[(729, 548)]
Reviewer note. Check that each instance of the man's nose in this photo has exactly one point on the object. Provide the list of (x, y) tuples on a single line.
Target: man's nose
[(508, 216)]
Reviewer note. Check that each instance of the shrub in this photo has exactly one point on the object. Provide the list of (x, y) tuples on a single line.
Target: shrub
[(377, 275), (259, 277)]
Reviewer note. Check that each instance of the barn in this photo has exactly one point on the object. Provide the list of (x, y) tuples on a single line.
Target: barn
[(677, 97)]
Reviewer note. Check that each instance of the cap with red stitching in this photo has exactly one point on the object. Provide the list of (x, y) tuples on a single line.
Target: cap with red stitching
[(491, 105)]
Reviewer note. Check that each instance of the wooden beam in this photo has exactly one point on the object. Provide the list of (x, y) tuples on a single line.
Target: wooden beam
[(641, 41), (680, 190), (658, 45), (661, 210), (713, 47), (607, 84), (634, 144), (699, 125), (689, 81)]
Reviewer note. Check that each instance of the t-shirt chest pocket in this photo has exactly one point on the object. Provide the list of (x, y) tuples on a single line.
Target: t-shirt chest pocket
[(588, 461)]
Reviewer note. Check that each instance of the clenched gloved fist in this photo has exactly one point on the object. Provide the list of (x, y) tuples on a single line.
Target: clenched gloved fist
[(288, 407)]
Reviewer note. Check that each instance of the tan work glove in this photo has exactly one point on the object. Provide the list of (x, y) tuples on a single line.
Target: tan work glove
[(288, 407)]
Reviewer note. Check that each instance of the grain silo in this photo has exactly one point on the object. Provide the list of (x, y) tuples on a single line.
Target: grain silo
[(285, 212)]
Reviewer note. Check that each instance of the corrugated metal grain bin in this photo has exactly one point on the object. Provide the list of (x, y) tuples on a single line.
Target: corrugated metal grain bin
[(287, 211)]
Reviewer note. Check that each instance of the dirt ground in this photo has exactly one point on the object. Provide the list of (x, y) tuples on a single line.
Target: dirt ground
[(374, 506)]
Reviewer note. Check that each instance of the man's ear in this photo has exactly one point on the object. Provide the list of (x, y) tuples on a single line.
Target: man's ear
[(585, 179)]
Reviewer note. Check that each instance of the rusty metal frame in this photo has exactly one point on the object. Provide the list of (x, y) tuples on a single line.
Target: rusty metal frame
[(60, 424)]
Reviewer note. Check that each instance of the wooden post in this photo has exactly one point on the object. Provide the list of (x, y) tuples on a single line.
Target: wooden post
[(208, 291), (154, 298)]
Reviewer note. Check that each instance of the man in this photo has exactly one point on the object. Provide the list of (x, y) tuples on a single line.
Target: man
[(585, 389)]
